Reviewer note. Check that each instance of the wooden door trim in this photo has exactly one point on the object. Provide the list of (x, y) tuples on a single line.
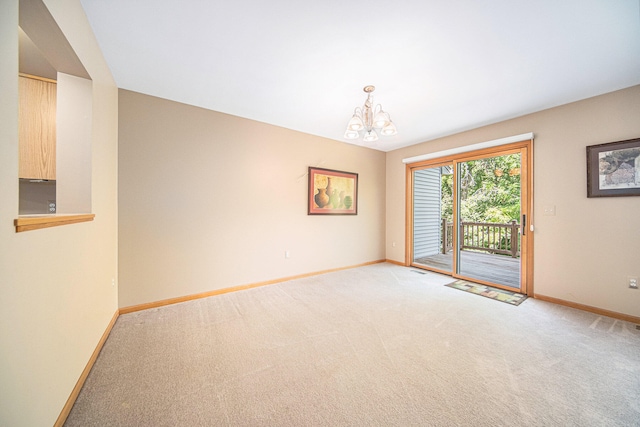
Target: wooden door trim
[(408, 212), (524, 147)]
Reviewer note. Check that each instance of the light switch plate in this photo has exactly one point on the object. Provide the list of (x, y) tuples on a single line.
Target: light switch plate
[(549, 210)]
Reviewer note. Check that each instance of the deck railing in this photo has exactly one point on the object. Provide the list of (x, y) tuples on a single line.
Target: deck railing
[(484, 236)]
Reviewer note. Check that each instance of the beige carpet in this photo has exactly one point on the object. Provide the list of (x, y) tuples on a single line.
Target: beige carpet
[(373, 346)]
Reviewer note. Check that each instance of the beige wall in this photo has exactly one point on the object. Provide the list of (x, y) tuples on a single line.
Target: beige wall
[(73, 144), (210, 201), (56, 294), (586, 251)]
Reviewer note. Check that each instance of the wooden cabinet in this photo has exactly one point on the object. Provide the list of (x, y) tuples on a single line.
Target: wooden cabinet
[(37, 123)]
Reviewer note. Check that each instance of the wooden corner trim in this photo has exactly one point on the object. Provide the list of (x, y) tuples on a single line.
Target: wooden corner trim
[(37, 222), (85, 373), (590, 309)]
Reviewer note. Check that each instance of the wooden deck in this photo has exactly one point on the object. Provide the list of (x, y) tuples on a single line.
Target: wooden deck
[(499, 269)]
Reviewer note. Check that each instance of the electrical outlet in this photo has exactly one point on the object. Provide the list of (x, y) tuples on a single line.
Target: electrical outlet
[(287, 254), (113, 282), (393, 244), (633, 282)]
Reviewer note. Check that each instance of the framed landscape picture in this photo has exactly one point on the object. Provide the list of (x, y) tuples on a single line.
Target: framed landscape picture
[(332, 192), (613, 169)]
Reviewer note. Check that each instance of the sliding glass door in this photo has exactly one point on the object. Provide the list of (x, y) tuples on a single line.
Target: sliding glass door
[(467, 216), (489, 206), (433, 216)]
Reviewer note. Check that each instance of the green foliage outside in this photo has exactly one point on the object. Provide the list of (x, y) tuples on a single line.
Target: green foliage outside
[(490, 190)]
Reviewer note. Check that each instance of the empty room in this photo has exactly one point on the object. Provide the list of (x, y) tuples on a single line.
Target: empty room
[(330, 213)]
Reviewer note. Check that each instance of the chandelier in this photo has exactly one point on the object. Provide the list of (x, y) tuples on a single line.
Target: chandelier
[(369, 119)]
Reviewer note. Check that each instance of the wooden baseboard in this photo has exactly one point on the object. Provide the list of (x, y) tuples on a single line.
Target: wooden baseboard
[(155, 304), (596, 310), (85, 373)]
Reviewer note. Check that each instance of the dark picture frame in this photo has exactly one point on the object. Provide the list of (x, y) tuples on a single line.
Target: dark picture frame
[(332, 192), (613, 169)]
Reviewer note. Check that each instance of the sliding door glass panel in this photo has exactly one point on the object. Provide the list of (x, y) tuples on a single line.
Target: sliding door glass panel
[(433, 218), (489, 207)]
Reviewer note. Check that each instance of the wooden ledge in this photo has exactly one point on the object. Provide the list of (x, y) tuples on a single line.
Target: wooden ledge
[(28, 223)]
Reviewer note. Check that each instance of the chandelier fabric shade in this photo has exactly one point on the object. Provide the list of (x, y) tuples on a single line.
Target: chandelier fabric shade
[(370, 120)]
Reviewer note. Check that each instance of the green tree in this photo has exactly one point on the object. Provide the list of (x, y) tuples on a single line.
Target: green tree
[(490, 190)]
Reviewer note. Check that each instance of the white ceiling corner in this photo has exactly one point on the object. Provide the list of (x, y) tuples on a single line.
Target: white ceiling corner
[(439, 67)]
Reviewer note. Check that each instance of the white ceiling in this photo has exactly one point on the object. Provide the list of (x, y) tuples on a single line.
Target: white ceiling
[(439, 66)]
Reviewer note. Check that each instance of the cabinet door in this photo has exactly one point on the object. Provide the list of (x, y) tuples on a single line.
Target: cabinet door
[(37, 123)]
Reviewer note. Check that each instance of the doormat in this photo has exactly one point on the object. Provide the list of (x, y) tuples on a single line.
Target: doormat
[(497, 294)]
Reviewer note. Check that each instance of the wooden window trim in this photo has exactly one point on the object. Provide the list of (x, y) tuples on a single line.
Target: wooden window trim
[(29, 223)]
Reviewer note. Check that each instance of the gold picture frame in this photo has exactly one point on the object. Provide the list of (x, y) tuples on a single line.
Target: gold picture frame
[(332, 192)]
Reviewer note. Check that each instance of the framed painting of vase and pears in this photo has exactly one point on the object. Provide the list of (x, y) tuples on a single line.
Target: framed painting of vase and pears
[(332, 192)]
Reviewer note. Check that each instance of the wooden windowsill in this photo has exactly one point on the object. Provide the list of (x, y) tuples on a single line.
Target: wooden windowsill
[(36, 222)]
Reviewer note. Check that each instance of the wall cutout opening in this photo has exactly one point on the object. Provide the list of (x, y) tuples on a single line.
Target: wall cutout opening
[(56, 98)]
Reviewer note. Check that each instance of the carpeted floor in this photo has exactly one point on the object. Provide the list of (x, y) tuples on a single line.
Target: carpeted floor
[(371, 346)]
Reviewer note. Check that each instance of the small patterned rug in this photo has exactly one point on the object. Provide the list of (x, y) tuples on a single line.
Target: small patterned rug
[(497, 294)]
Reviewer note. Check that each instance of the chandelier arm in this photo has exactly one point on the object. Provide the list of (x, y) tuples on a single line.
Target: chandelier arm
[(368, 118)]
